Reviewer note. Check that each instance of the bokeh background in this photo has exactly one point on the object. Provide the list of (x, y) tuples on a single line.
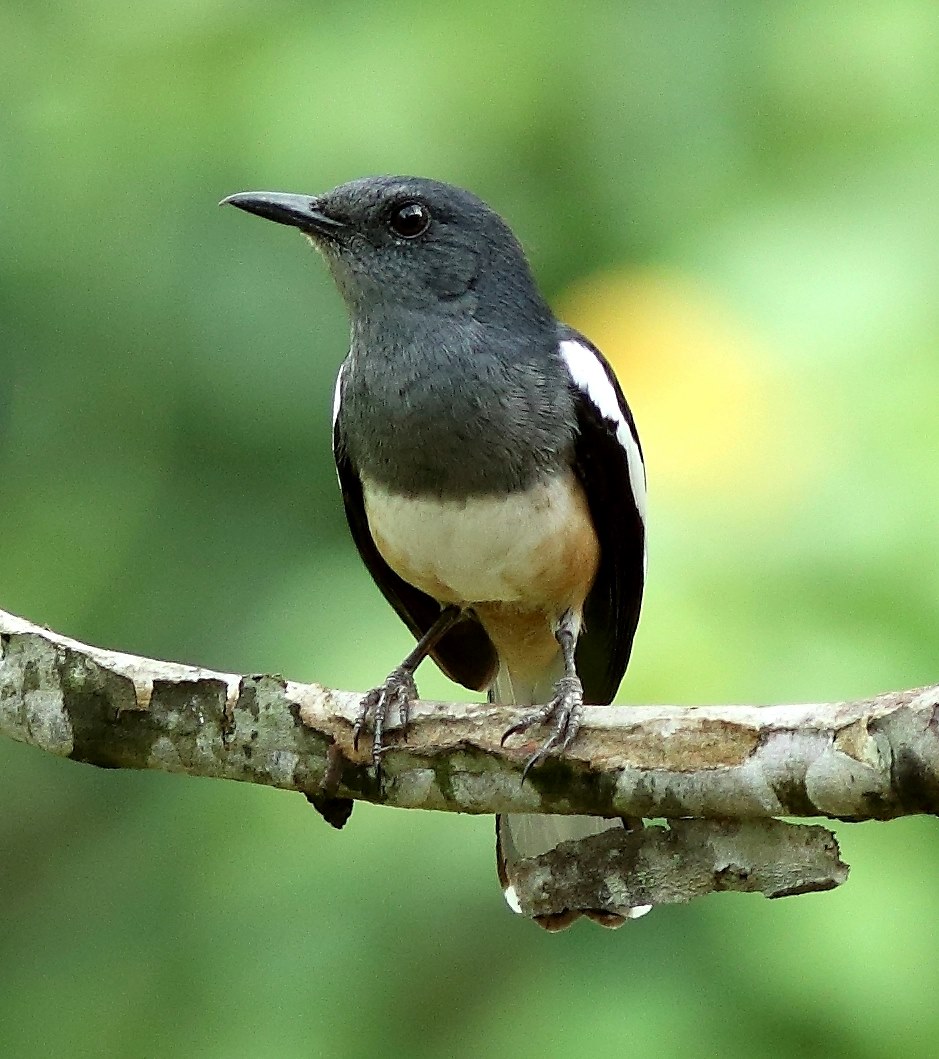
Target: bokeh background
[(740, 204)]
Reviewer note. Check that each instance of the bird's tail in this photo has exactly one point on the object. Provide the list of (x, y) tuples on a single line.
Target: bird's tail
[(522, 836)]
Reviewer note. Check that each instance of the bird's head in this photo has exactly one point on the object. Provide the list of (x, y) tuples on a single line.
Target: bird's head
[(409, 243)]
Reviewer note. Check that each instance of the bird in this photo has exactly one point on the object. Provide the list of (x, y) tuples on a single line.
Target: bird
[(490, 469)]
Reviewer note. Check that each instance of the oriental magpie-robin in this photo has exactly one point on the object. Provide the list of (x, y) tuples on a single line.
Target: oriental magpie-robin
[(490, 468)]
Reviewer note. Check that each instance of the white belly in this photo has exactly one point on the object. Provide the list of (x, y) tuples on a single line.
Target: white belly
[(514, 549)]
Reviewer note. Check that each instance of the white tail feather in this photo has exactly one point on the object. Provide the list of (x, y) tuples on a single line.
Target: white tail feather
[(521, 836)]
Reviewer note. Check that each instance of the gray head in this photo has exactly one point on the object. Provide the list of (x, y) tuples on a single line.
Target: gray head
[(454, 384), (414, 245)]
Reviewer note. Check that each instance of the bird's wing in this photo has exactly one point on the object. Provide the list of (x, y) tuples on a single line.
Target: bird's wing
[(465, 653), (608, 461)]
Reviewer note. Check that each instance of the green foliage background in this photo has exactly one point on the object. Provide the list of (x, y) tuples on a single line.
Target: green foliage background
[(166, 487)]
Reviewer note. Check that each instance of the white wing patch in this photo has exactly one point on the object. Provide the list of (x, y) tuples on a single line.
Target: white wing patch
[(337, 394), (590, 377)]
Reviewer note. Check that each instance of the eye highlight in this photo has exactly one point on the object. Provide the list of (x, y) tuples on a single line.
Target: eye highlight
[(409, 220)]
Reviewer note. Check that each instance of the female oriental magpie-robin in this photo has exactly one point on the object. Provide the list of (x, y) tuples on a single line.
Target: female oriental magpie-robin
[(490, 468)]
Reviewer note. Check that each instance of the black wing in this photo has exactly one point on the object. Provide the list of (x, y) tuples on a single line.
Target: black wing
[(616, 501), (465, 653)]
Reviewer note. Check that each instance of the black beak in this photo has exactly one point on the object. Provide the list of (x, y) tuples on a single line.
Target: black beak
[(299, 211)]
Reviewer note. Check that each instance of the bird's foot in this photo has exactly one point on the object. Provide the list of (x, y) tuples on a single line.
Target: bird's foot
[(397, 693), (564, 710)]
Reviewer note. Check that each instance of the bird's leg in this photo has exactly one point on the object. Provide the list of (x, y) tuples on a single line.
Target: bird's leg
[(567, 705), (399, 689)]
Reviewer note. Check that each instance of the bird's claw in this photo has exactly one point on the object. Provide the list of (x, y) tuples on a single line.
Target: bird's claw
[(565, 709), (397, 693)]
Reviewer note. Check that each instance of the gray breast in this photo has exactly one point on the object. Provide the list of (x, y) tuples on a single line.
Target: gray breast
[(452, 422)]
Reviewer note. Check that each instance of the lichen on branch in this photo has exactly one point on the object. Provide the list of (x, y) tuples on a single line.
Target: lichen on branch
[(718, 774), (871, 759)]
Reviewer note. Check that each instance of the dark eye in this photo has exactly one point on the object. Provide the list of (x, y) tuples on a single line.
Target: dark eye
[(410, 220)]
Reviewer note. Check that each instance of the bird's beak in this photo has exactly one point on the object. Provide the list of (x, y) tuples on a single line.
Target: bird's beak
[(299, 211)]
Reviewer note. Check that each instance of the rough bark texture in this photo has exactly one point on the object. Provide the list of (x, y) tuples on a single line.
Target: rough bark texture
[(733, 768), (621, 872), (872, 759)]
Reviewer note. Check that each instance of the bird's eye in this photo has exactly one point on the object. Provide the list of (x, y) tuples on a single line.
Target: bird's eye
[(410, 220)]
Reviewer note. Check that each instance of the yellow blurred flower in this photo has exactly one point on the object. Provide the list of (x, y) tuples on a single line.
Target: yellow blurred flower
[(712, 412)]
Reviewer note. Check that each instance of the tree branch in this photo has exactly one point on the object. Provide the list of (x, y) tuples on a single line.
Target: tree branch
[(871, 759), (625, 872)]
